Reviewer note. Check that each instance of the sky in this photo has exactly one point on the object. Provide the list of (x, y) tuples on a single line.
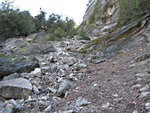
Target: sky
[(74, 9)]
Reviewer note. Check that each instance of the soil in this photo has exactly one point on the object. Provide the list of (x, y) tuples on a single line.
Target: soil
[(111, 83)]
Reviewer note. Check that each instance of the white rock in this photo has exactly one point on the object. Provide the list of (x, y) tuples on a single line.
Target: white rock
[(147, 105), (135, 111), (52, 90), (115, 95), (37, 72), (95, 84), (105, 106)]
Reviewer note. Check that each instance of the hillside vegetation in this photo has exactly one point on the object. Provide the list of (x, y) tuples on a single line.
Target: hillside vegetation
[(15, 23)]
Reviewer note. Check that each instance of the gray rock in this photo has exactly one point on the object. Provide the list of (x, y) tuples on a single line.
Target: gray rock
[(68, 111), (64, 86), (6, 110), (9, 66), (16, 88), (82, 102), (48, 48), (96, 61), (136, 86), (105, 106), (143, 94), (12, 76), (147, 105), (10, 104), (135, 111), (48, 109), (145, 88)]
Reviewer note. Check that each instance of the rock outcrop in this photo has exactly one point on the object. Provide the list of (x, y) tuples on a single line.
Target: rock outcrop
[(109, 39), (100, 17)]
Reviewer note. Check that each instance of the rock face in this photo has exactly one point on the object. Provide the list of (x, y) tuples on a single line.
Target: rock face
[(122, 39), (102, 17), (15, 88)]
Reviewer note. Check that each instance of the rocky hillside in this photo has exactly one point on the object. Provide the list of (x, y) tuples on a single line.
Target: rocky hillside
[(109, 37), (108, 74), (100, 17)]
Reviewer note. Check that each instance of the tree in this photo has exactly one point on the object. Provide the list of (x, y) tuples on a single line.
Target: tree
[(14, 23), (40, 21), (7, 5)]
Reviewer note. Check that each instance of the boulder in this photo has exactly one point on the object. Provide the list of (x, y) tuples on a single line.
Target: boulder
[(6, 110), (19, 88), (9, 66)]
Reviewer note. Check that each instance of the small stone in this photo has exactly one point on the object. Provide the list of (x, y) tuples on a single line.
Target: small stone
[(35, 89), (1, 105), (37, 72), (6, 110), (144, 88), (43, 63), (132, 65), (48, 109), (95, 84), (115, 95), (135, 111), (71, 77), (105, 106), (82, 102), (10, 104), (45, 68), (139, 79), (136, 86), (61, 72), (143, 94), (64, 86), (147, 105), (140, 74), (52, 90), (68, 111)]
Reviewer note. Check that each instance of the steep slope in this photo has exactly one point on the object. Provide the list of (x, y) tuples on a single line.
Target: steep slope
[(100, 17), (108, 37)]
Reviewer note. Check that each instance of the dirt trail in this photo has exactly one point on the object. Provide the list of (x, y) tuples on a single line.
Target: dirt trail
[(114, 86)]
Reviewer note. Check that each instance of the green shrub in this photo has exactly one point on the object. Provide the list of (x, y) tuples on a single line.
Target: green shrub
[(73, 32), (84, 35), (60, 33), (51, 37), (131, 10)]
